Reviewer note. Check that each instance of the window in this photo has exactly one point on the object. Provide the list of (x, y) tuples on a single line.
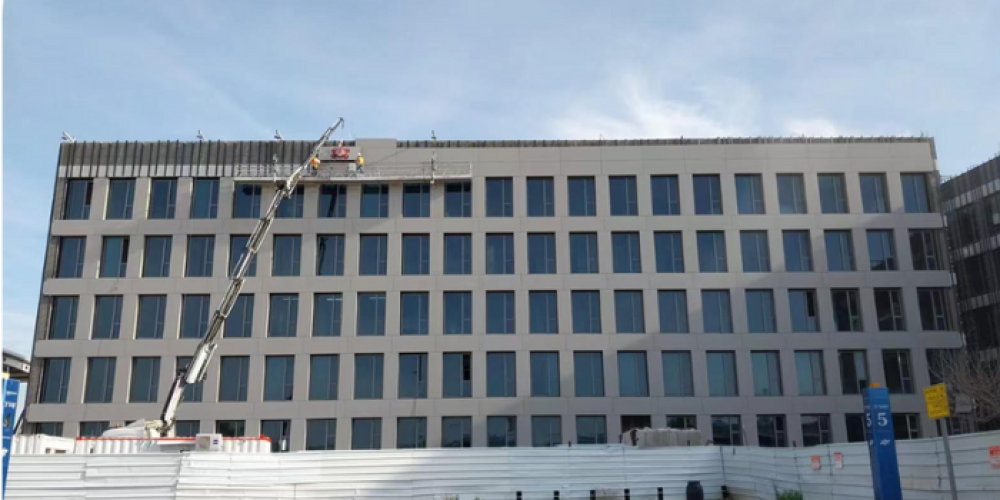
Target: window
[(152, 317), (722, 373), (916, 195), (707, 195), (541, 197), (874, 198), (100, 384), (543, 312), (327, 313), (544, 374), (499, 254), (329, 255), (586, 311), (591, 429), (926, 250), (582, 198), (156, 262), (856, 432), (114, 257), (456, 432), (546, 431), (766, 373), (501, 432), (839, 250), (588, 374), (798, 251), (583, 253), (501, 375), (889, 308), (55, 380), (287, 255), (413, 313), (237, 245), (371, 314), (62, 319), (145, 380), (500, 312), (816, 430), (332, 201), (541, 253), (906, 425), (712, 252), (457, 375), (277, 431), (279, 378), (416, 200), (934, 309), (367, 376), (499, 197), (629, 312), (121, 194), (284, 317), (458, 313), (727, 430), (633, 378), (853, 371), (882, 250), (756, 252), (458, 254), (665, 195), (898, 376), (678, 380), (458, 199), (107, 316), (49, 428), (832, 194), (205, 199), (246, 201), (749, 194), (624, 198), (200, 256), (93, 429), (771, 431), (717, 314), (682, 422), (846, 310), (366, 434), (669, 252), (791, 194), (77, 204), (374, 248), (324, 377), (234, 378), (413, 376), (810, 373), (230, 428), (416, 254), (321, 434), (71, 253), (292, 207), (802, 306), (194, 316), (187, 428), (193, 392), (374, 201)]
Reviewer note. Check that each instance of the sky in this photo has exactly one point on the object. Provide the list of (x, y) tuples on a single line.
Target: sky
[(161, 70)]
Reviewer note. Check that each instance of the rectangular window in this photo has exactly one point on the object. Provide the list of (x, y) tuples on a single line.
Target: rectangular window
[(546, 431), (93, 429), (458, 254), (500, 312), (457, 374), (292, 207), (458, 313), (541, 253), (906, 426), (205, 199), (916, 195), (541, 197), (371, 314), (416, 200), (416, 254), (707, 195), (456, 432), (934, 309), (832, 194), (816, 430), (582, 197), (791, 194), (727, 430), (583, 253), (279, 378), (107, 317), (324, 377), (458, 199), (926, 249), (200, 256), (374, 201), (722, 373), (499, 197), (501, 375), (332, 201), (673, 311), (798, 251), (717, 313), (368, 376), (629, 312), (237, 246), (366, 434), (62, 319), (501, 432), (889, 308), (669, 251), (591, 429), (231, 428), (856, 432), (162, 198), (121, 195), (71, 253), (665, 195), (682, 422), (898, 375), (624, 198), (853, 371), (321, 434), (277, 431), (329, 255), (55, 380), (374, 248), (193, 392), (749, 194), (545, 374), (413, 313), (114, 257), (195, 311), (77, 204), (246, 201), (766, 373), (810, 373), (678, 380), (499, 254), (839, 250), (151, 317), (882, 250), (771, 431), (156, 261), (187, 428), (100, 383), (543, 312), (712, 252), (283, 320), (586, 311), (756, 251), (874, 198), (802, 306), (145, 380), (287, 255), (588, 374), (633, 376), (234, 378), (327, 314), (760, 311), (846, 309)]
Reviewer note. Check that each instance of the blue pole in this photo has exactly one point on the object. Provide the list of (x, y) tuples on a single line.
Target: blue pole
[(881, 444)]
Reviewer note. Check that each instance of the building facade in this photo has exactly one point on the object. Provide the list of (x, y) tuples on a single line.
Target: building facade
[(536, 293)]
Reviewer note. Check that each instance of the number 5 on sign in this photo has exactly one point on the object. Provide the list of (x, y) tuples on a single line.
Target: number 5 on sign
[(936, 397)]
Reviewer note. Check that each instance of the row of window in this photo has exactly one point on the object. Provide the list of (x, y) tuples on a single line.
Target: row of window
[(540, 197), (501, 375)]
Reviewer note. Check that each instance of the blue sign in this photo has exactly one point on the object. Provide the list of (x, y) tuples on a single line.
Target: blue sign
[(11, 389), (881, 444)]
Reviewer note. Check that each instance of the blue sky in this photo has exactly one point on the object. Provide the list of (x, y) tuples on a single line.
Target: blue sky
[(149, 70)]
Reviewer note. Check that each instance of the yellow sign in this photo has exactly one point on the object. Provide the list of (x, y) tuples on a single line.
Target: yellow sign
[(936, 397)]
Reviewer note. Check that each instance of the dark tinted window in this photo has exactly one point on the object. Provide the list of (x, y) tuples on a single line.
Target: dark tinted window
[(458, 254), (413, 312), (673, 311), (798, 251), (411, 432), (499, 197), (374, 248), (771, 431), (629, 312), (239, 324), (205, 199), (375, 201), (324, 377), (717, 313), (156, 261), (330, 255), (368, 376), (193, 392), (588, 374), (457, 313), (238, 245), (332, 201), (145, 380), (853, 371), (200, 256), (678, 380), (898, 374), (791, 194), (802, 306), (816, 430), (669, 252), (541, 197), (107, 316), (283, 320), (100, 383), (413, 376), (916, 196), (889, 309), (277, 431), (934, 309), (722, 374), (499, 254), (162, 198), (71, 253), (366, 434), (501, 375), (458, 199), (501, 432), (846, 310), (456, 432), (624, 198), (279, 378), (832, 194), (121, 195), (187, 428), (665, 195), (500, 312), (371, 314), (766, 367), (541, 253), (839, 250), (77, 204), (583, 253), (152, 316), (874, 198), (633, 378), (416, 200), (546, 431), (712, 252), (882, 250), (55, 380), (231, 428), (321, 434), (93, 429), (749, 194), (457, 374), (586, 311), (287, 255), (543, 312), (626, 253), (246, 201), (327, 313), (233, 378), (545, 374), (292, 207), (582, 199), (416, 254), (591, 430), (925, 247), (62, 319), (114, 257), (195, 310), (760, 311), (809, 373), (707, 195), (756, 251)]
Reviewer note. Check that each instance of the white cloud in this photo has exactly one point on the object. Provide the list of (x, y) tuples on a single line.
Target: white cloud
[(814, 127)]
